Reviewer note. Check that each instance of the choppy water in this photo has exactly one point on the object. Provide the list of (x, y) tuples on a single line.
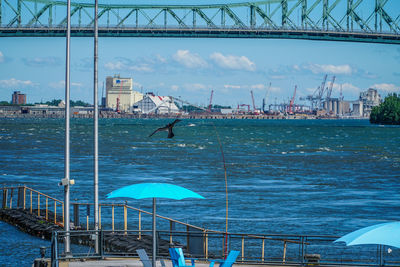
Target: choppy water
[(296, 177)]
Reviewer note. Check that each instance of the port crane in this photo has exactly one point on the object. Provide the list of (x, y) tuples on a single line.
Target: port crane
[(252, 99), (266, 97), (211, 97), (329, 91), (292, 101)]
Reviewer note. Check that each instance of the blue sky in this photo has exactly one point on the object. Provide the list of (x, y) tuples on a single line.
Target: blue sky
[(191, 68)]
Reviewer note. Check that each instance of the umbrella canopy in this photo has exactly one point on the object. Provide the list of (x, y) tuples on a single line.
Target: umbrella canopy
[(379, 234), (154, 190)]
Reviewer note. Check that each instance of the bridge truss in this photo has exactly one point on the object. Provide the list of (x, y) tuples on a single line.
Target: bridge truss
[(339, 20)]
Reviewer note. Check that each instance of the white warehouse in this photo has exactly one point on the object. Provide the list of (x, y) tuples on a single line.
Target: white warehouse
[(156, 105)]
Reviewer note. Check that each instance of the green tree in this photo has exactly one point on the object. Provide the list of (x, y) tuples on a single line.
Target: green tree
[(387, 112)]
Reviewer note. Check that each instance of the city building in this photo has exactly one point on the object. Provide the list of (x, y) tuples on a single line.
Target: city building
[(119, 94), (18, 98), (367, 100), (156, 105)]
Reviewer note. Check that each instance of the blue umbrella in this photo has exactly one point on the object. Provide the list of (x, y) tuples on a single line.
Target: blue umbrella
[(380, 234), (154, 190)]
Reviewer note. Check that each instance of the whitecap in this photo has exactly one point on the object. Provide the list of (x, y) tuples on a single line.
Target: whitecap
[(191, 125), (283, 152), (201, 147), (182, 145)]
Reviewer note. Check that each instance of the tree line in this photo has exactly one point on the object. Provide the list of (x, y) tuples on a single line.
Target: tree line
[(387, 112)]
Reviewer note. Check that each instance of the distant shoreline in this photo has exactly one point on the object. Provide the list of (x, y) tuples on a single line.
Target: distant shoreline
[(113, 115)]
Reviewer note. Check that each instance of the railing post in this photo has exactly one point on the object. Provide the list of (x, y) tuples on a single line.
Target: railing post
[(112, 217), (55, 212), (47, 206), (206, 244), (284, 251), (24, 197), (11, 197), (99, 216), (5, 196), (140, 225), (125, 219), (262, 250), (242, 248), (63, 212), (38, 204), (31, 202)]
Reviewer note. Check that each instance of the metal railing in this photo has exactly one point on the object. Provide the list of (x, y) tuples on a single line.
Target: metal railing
[(254, 249), (128, 223)]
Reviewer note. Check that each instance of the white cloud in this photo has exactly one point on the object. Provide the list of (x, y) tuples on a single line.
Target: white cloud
[(386, 87), (43, 61), (189, 60), (277, 77), (227, 86), (14, 83), (61, 84), (258, 86), (120, 65), (1, 57), (195, 87), (330, 69), (233, 62)]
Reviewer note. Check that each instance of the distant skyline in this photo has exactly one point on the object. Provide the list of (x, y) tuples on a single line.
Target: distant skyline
[(191, 68)]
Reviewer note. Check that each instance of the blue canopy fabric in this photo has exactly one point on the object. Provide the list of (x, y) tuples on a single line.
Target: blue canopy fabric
[(154, 190), (380, 234)]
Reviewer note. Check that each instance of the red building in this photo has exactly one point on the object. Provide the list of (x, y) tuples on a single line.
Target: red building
[(18, 98)]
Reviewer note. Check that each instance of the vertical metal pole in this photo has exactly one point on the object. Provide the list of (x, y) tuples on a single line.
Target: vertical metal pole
[(223, 17), (96, 129), (304, 14), (153, 260), (67, 120)]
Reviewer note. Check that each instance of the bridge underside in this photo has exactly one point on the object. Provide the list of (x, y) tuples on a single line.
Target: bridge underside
[(203, 33)]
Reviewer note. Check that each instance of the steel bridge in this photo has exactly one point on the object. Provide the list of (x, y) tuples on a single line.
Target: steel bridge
[(374, 21)]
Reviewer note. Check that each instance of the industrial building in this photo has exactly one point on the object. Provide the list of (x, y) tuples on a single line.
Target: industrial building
[(156, 105), (367, 100), (18, 98), (119, 94)]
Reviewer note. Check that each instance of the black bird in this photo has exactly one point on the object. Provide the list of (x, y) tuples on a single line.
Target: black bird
[(168, 128)]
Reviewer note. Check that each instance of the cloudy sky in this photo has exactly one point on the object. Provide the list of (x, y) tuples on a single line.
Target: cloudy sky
[(191, 68)]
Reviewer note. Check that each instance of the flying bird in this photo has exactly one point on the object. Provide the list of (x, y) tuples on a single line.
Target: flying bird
[(168, 128)]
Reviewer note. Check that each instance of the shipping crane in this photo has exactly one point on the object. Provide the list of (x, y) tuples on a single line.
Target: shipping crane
[(211, 97), (329, 92), (252, 99), (265, 99), (243, 105), (292, 101)]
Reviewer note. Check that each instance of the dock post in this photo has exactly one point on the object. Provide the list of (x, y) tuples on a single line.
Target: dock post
[(125, 219), (38, 204), (206, 244), (11, 197), (55, 212), (262, 250), (284, 252), (242, 248), (24, 197), (140, 225), (112, 217), (99, 217), (31, 202), (5, 193), (47, 207)]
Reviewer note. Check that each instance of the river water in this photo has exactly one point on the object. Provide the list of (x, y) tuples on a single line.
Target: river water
[(289, 176)]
